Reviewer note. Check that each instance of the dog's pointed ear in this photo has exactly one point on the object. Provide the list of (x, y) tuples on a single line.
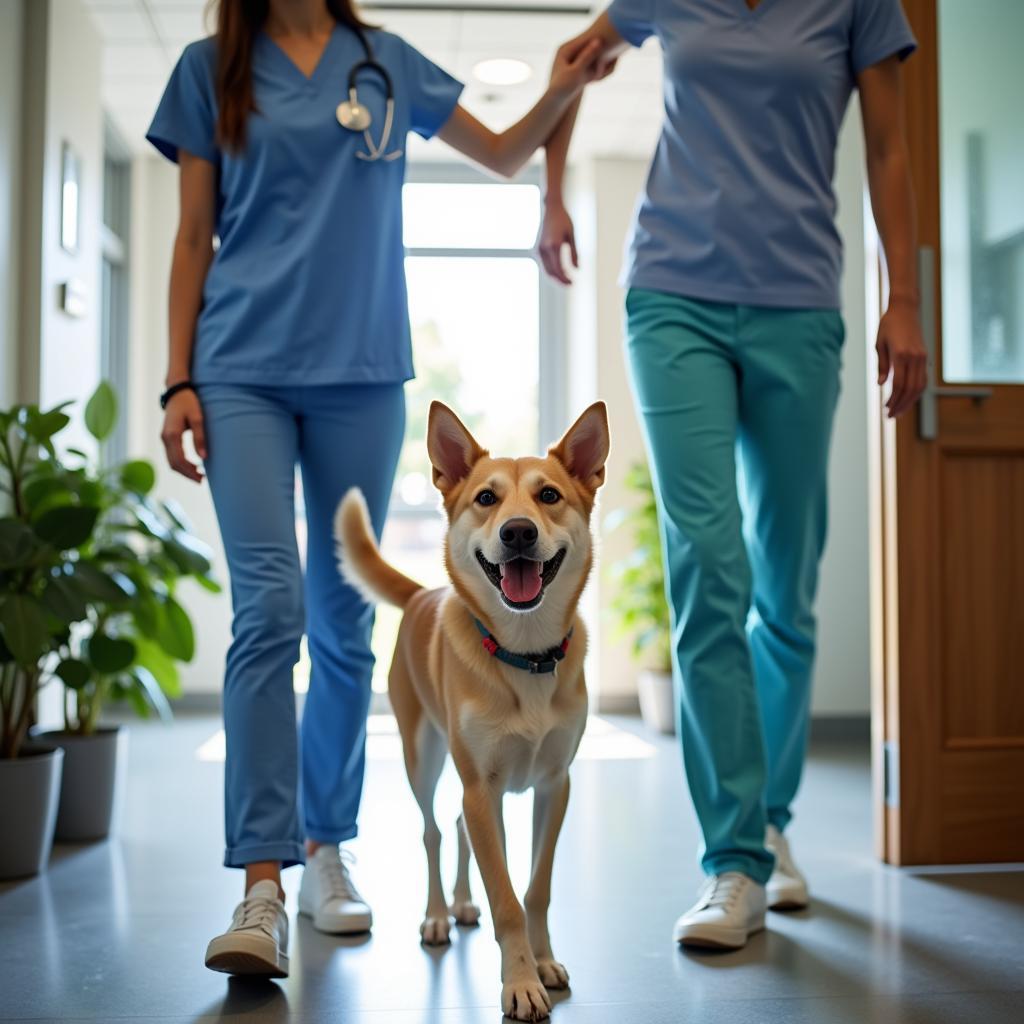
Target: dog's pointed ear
[(451, 447), (583, 449)]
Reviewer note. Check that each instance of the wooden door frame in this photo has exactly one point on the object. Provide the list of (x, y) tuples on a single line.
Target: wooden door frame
[(907, 574)]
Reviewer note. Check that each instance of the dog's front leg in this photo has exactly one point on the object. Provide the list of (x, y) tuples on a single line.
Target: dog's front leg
[(523, 996), (550, 800)]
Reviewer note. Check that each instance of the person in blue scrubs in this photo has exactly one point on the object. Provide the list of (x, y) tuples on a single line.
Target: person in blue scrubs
[(734, 339), (289, 346)]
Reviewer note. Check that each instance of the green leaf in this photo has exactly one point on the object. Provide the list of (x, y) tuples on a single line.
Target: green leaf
[(177, 514), (110, 654), (98, 585), (208, 583), (138, 476), (146, 614), (42, 426), (17, 544), (64, 600), (188, 554), (101, 412), (151, 524), (147, 685), (39, 488), (174, 631), (151, 656), (24, 626), (5, 652), (73, 673), (66, 527)]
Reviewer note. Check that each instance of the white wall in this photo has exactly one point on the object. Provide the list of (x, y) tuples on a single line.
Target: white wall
[(154, 222), (10, 179), (56, 357), (603, 195)]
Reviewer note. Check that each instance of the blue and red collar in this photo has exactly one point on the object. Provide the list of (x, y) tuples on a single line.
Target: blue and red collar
[(539, 665)]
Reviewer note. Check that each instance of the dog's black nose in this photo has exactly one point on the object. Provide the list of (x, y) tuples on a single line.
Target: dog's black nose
[(518, 533)]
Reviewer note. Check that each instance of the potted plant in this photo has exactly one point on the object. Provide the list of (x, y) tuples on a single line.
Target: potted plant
[(88, 564), (640, 604)]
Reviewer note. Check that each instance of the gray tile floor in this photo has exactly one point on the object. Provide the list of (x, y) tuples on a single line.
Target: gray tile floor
[(116, 931)]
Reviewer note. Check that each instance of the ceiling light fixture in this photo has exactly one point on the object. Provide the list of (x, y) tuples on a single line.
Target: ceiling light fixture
[(502, 71)]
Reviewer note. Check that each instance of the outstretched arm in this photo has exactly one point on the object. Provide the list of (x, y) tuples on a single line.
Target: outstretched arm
[(557, 229), (506, 152), (900, 347)]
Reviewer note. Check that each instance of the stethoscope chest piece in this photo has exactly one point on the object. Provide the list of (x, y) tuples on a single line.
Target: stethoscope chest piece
[(353, 115)]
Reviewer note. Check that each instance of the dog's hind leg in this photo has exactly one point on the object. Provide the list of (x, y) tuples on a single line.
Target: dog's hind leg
[(431, 750), (550, 800), (464, 910)]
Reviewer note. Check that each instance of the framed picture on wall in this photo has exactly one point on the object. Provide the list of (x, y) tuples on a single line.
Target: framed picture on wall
[(70, 179)]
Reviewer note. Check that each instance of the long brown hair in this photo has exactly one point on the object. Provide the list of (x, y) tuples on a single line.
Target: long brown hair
[(238, 22)]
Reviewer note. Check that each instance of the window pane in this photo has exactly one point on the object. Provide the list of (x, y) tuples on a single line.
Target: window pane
[(475, 325), (462, 216), (981, 79)]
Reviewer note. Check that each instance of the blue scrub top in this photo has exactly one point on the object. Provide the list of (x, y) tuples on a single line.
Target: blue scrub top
[(308, 284), (739, 205)]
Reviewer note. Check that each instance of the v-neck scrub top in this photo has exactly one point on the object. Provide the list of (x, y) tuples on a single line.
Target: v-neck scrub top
[(308, 283), (739, 205)]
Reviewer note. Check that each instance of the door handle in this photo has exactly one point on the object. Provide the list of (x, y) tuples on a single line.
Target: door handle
[(927, 406)]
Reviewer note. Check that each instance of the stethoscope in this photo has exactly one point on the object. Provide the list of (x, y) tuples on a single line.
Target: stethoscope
[(355, 117)]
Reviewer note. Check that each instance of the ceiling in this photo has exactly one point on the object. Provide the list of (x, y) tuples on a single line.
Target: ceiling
[(620, 116)]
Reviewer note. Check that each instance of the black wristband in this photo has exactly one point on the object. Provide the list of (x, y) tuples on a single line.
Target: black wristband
[(182, 385)]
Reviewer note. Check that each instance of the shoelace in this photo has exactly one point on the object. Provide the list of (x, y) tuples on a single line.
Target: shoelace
[(257, 912), (722, 891), (339, 881)]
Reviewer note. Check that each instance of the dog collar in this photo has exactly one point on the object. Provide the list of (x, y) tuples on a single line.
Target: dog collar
[(546, 662)]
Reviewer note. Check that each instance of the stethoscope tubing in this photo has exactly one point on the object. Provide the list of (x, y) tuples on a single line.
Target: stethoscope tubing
[(374, 151)]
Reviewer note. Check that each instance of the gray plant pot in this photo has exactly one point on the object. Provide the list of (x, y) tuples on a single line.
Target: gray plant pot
[(90, 793), (29, 793), (657, 701)]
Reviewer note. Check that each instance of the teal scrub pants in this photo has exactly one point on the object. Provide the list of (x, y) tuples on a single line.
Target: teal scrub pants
[(737, 404)]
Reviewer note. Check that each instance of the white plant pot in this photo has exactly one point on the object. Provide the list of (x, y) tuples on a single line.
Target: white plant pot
[(657, 701)]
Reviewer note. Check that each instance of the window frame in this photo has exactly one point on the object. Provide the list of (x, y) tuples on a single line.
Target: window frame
[(551, 305)]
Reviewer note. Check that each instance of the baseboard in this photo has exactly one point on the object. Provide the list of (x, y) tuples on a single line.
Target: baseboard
[(617, 704), (197, 704), (824, 728), (841, 729)]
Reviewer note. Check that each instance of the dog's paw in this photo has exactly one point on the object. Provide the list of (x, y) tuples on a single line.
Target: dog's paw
[(525, 1000), (434, 931), (553, 974), (466, 912)]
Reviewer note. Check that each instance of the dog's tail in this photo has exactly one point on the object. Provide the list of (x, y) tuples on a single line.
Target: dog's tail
[(359, 558)]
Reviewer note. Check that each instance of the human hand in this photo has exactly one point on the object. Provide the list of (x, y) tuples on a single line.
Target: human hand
[(556, 232), (901, 351), (184, 413), (575, 66)]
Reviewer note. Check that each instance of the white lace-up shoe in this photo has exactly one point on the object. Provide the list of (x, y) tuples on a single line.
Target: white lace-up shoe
[(257, 941), (328, 895), (787, 888), (730, 909)]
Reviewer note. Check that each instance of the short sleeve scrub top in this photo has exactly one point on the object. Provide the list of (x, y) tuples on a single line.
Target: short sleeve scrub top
[(307, 285)]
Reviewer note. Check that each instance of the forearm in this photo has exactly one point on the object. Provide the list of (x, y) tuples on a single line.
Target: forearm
[(892, 203), (514, 147), (556, 154), (189, 266)]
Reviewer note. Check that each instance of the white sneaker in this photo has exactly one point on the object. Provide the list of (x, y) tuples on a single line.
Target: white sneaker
[(730, 909), (328, 895), (787, 888), (257, 941)]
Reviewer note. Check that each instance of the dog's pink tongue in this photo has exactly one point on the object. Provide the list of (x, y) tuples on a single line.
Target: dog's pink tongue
[(520, 580)]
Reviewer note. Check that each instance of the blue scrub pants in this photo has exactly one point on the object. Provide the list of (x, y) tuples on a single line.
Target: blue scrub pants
[(340, 436), (737, 404)]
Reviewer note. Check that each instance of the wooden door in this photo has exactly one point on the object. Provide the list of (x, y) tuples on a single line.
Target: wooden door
[(949, 667)]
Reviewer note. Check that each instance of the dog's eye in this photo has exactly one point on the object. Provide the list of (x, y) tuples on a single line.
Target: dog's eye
[(549, 496), (487, 498)]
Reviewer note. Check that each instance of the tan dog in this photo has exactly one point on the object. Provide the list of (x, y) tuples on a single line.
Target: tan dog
[(518, 552)]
